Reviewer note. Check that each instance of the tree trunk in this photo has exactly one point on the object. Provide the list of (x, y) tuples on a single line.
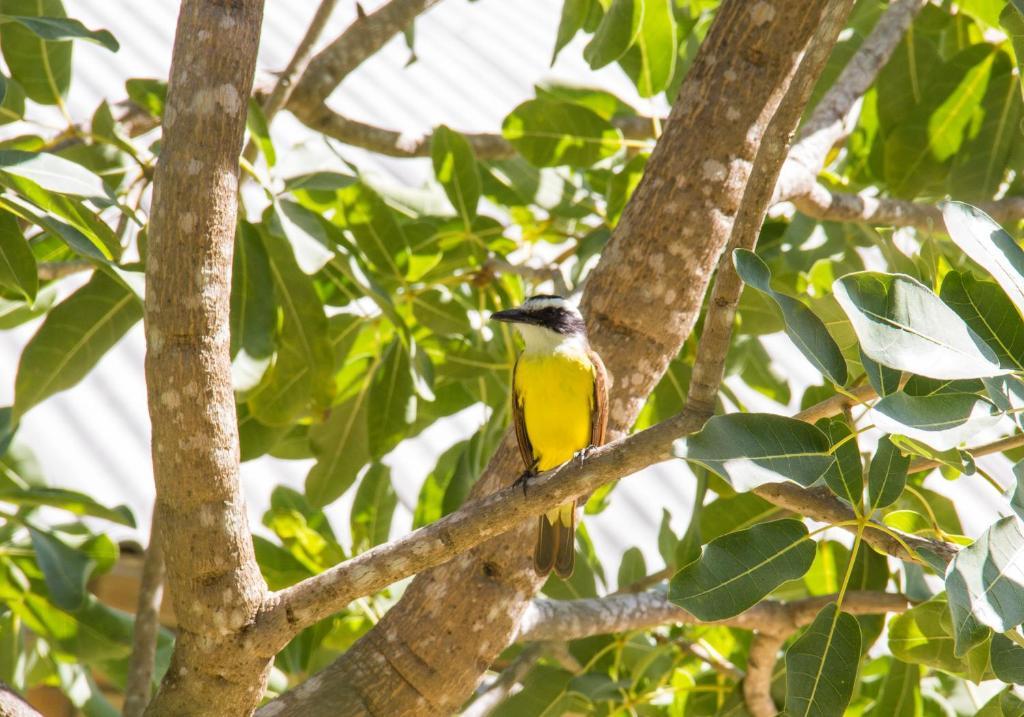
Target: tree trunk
[(427, 654), (212, 575)]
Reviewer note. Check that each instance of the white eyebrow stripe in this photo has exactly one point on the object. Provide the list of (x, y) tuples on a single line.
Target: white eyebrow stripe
[(538, 304)]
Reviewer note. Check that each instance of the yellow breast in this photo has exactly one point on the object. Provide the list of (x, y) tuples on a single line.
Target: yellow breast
[(557, 395)]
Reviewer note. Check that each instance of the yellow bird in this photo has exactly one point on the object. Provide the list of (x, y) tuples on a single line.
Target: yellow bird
[(559, 409)]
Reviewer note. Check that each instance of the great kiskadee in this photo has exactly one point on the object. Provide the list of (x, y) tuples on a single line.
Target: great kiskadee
[(559, 409)]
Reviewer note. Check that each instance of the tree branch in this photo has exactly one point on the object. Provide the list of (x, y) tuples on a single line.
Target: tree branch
[(147, 630), (285, 84), (12, 704), (495, 693), (50, 270), (1003, 444), (757, 687), (212, 574), (564, 620), (360, 41)]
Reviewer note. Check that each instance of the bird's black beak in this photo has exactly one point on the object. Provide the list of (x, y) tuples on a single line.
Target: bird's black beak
[(512, 316)]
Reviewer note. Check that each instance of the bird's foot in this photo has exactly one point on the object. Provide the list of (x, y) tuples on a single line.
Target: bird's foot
[(523, 480), (581, 455)]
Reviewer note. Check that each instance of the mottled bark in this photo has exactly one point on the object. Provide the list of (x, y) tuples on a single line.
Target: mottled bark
[(212, 576), (428, 652), (12, 705), (147, 630)]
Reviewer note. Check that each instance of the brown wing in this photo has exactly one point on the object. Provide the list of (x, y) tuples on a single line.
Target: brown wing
[(519, 421), (599, 416)]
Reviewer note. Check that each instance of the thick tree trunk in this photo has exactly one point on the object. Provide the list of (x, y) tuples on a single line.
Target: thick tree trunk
[(212, 575), (427, 654)]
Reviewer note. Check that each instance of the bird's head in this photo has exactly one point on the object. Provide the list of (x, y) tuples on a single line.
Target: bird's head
[(545, 321)]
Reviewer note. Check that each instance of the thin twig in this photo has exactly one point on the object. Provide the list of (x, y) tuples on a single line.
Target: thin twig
[(49, 270), (706, 653), (1003, 444), (496, 692), (147, 629)]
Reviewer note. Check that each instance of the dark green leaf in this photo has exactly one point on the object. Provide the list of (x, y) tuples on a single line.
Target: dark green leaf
[(1007, 659), (846, 475), (902, 324), (737, 570), (632, 568), (62, 28), (253, 311), (901, 693), (456, 169), (392, 404), (341, 447), (989, 313), (749, 449), (66, 570), (74, 336), (942, 421), (882, 378), (887, 474), (618, 30), (42, 67), (18, 270), (300, 381), (69, 500), (550, 133), (802, 326), (821, 666), (373, 508)]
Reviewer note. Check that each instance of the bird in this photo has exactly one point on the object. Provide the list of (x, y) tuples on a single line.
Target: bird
[(559, 403)]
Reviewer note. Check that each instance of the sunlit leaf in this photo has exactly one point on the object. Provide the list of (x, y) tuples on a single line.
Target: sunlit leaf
[(942, 421), (549, 133)]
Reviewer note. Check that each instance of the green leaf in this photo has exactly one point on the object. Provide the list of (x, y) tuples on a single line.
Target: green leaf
[(392, 407), (549, 133), (85, 243), (986, 579), (69, 500), (574, 14), (737, 570), (651, 61), (802, 326), (256, 122), (149, 94), (373, 509), (456, 169), (62, 28), (376, 231), (882, 378), (729, 513), (942, 421), (91, 634), (341, 446), (309, 241), (66, 570), (749, 449), (543, 690), (989, 245), (300, 381), (73, 338), (52, 173), (924, 636), (1007, 659), (618, 30), (632, 568), (846, 475), (989, 313), (18, 270), (902, 324), (253, 311), (887, 474), (901, 692), (42, 67), (821, 666)]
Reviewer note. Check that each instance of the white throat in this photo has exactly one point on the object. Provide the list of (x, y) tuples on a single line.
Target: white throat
[(541, 340)]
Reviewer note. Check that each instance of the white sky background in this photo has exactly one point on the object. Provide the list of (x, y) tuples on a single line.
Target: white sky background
[(476, 61)]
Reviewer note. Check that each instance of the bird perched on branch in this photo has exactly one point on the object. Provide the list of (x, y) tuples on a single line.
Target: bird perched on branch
[(559, 409)]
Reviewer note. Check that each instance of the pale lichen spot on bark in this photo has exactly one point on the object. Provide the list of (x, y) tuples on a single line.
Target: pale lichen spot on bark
[(271, 709), (761, 13), (713, 170), (670, 296), (732, 114), (730, 75), (193, 167), (155, 340), (170, 399), (223, 98), (169, 116)]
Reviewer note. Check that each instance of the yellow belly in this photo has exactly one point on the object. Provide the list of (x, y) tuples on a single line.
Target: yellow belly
[(557, 394)]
